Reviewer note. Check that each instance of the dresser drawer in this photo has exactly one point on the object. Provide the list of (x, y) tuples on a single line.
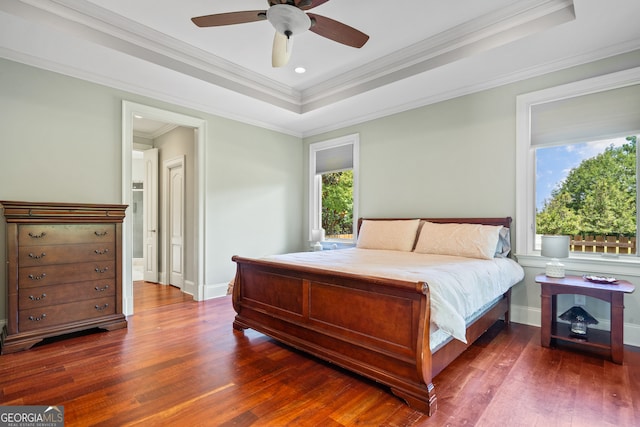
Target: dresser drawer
[(52, 295), (60, 234), (65, 254), (38, 318), (46, 275)]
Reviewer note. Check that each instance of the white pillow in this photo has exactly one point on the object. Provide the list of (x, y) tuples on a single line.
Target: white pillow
[(466, 240), (395, 235)]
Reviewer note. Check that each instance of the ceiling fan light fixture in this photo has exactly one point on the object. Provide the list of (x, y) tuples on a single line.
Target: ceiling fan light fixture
[(281, 51), (288, 20)]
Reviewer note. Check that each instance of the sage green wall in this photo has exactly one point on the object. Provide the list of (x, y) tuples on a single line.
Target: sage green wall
[(456, 158), (60, 140)]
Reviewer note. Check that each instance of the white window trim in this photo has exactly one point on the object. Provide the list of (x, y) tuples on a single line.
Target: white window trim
[(525, 176), (315, 182)]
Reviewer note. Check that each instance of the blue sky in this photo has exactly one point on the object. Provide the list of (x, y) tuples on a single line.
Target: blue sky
[(554, 163)]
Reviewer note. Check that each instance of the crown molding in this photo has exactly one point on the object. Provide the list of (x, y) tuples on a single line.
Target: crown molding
[(532, 72), (102, 26), (138, 88), (294, 128), (104, 20), (93, 23), (481, 34)]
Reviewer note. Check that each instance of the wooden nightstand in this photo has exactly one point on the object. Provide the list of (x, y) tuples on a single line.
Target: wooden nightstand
[(550, 331)]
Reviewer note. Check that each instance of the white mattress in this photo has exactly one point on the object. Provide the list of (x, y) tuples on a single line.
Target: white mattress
[(458, 286)]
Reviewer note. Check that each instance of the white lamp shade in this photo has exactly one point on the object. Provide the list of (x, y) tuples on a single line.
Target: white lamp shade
[(317, 235), (281, 51), (555, 246)]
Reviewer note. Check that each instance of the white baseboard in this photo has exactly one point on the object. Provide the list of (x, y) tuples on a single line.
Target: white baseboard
[(531, 316), (189, 288), (216, 290), (127, 306), (525, 315)]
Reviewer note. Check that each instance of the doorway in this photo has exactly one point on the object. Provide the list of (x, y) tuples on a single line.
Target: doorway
[(195, 215), (163, 243)]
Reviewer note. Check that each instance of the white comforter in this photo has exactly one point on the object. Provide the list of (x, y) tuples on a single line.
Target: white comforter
[(458, 286)]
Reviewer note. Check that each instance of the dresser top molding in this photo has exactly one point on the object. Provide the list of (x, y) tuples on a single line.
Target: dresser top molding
[(61, 212)]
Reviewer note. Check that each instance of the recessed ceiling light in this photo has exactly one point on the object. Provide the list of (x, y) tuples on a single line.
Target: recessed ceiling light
[(137, 116), (300, 70)]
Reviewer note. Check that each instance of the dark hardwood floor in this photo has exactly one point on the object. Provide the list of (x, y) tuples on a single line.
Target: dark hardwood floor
[(179, 363)]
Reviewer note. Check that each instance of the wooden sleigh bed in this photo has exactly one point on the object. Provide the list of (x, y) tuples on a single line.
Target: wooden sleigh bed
[(376, 327)]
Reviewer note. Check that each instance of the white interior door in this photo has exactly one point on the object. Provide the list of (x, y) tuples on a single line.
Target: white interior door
[(150, 215), (176, 206)]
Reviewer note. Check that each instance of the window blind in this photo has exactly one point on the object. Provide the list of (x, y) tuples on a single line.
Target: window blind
[(334, 159), (599, 115)]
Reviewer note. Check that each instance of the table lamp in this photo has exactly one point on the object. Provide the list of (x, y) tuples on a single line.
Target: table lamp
[(317, 236), (555, 247), (580, 321)]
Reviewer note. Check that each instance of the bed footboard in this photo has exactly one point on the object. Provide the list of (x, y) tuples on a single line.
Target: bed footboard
[(375, 327)]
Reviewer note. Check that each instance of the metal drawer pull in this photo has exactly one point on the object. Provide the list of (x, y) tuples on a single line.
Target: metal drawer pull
[(37, 319), (101, 252), (100, 233), (42, 255), (97, 307), (104, 288), (37, 236), (32, 298), (104, 270), (42, 276)]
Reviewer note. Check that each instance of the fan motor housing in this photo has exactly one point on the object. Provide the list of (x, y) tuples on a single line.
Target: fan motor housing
[(288, 20)]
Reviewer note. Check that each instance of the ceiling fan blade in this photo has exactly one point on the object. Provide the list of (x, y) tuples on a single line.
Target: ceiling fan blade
[(337, 31), (230, 18), (281, 50), (309, 4)]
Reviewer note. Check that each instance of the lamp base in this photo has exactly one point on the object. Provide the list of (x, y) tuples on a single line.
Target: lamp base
[(555, 269), (579, 328)]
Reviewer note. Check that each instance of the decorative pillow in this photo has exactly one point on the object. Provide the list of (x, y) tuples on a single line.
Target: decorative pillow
[(396, 235), (504, 243), (467, 240)]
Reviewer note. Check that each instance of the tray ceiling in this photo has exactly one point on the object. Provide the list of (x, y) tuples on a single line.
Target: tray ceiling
[(419, 51)]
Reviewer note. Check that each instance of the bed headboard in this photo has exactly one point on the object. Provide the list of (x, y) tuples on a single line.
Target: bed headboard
[(504, 221)]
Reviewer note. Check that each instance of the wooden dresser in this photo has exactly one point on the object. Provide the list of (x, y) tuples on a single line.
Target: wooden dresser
[(64, 270)]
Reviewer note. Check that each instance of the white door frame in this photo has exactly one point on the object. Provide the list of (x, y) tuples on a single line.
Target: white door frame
[(128, 111)]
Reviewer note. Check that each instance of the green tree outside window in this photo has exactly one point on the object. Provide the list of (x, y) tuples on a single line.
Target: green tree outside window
[(598, 197), (337, 203)]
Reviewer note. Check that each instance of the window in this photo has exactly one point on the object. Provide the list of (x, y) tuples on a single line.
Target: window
[(588, 191), (333, 195), (562, 132)]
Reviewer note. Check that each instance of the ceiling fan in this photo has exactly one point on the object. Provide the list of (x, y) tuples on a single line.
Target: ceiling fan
[(289, 19)]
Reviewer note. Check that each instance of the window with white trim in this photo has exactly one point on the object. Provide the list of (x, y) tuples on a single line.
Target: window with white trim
[(333, 195), (577, 166)]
